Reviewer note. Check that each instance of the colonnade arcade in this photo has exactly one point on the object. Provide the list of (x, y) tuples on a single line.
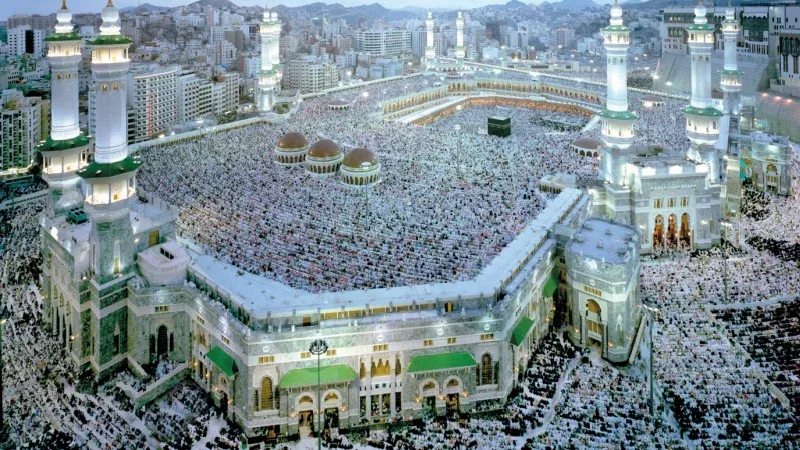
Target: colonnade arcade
[(468, 86), (505, 102)]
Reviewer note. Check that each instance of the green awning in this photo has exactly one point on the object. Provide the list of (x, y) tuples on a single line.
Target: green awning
[(550, 287), (223, 360), (338, 373), (442, 361), (521, 331)]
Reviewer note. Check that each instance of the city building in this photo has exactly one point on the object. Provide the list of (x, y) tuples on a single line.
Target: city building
[(193, 97), (152, 94), (25, 40), (564, 38), (383, 42), (20, 129), (310, 75)]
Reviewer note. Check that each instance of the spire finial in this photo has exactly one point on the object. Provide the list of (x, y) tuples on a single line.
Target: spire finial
[(110, 4), (63, 4)]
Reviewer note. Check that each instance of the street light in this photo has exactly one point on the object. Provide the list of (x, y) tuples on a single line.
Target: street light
[(318, 347)]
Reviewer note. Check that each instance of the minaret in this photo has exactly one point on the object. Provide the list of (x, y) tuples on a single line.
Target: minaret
[(110, 179), (269, 77), (66, 150), (460, 49), (618, 122), (702, 119), (430, 49), (730, 76)]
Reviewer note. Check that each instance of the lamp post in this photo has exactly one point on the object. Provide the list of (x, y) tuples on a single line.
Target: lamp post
[(318, 347), (4, 315)]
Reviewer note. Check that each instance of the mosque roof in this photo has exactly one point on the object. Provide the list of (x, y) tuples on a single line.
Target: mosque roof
[(588, 143), (292, 139), (324, 148), (360, 158), (62, 37), (652, 99), (111, 40)]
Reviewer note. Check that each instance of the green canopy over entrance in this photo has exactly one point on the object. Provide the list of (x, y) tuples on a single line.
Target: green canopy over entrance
[(338, 373), (223, 360), (521, 331), (550, 287)]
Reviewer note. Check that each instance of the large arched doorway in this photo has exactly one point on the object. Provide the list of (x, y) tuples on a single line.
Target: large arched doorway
[(162, 341), (486, 369), (266, 394), (771, 178), (429, 392), (330, 405), (672, 231), (658, 232), (686, 233), (453, 399), (594, 328), (306, 416)]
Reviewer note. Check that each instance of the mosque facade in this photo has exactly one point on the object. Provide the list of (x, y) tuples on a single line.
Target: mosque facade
[(671, 199), (121, 293)]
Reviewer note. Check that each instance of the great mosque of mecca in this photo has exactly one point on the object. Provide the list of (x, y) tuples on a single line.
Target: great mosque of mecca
[(429, 258)]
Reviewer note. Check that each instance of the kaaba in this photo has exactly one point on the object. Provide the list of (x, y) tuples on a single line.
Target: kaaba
[(500, 126)]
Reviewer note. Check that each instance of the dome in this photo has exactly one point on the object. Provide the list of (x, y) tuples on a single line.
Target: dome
[(324, 148), (652, 99), (292, 140), (360, 157), (587, 143)]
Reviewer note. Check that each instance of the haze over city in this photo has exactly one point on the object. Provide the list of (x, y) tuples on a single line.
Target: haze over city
[(412, 226)]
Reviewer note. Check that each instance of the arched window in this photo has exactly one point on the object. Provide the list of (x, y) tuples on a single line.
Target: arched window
[(266, 393), (362, 371), (486, 369), (593, 307)]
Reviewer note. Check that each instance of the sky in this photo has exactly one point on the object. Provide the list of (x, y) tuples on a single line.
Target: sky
[(11, 7)]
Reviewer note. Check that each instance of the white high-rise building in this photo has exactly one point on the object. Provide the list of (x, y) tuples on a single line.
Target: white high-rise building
[(309, 75), (702, 119), (617, 120), (269, 78), (26, 40), (730, 76), (20, 129), (430, 49), (152, 93), (383, 42), (460, 51), (66, 151), (194, 97)]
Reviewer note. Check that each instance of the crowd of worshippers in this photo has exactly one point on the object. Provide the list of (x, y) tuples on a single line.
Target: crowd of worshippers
[(770, 333), (769, 221), (441, 212), (717, 394)]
